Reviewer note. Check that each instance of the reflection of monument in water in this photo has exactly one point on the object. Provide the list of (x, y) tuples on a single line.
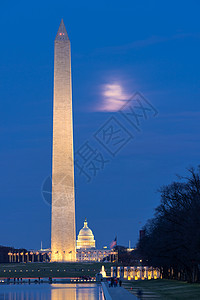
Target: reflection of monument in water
[(63, 235), (76, 291), (52, 292), (63, 291)]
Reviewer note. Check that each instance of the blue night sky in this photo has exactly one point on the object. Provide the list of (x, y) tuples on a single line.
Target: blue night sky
[(118, 48)]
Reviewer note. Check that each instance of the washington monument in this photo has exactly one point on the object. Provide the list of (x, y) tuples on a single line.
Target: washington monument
[(63, 235)]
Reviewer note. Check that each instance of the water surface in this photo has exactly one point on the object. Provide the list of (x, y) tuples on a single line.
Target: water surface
[(51, 292)]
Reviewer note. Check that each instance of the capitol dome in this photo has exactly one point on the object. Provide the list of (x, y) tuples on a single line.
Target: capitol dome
[(85, 238)]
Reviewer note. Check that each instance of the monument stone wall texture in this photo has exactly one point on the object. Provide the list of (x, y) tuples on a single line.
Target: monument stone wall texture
[(63, 236)]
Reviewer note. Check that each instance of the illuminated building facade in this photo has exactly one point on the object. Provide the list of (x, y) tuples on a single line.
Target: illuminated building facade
[(85, 238), (86, 249), (44, 255), (96, 255), (136, 273), (63, 236)]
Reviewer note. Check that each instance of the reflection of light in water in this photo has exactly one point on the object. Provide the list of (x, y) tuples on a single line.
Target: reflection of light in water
[(89, 292), (26, 293), (113, 97), (51, 292), (76, 292), (63, 291)]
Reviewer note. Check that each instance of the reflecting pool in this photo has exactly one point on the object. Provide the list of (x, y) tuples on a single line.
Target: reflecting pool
[(51, 291)]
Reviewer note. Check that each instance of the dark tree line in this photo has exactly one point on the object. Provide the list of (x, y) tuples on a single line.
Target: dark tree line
[(4, 254), (172, 237), (126, 257)]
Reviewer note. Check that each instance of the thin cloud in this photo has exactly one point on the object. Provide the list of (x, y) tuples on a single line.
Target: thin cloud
[(113, 97), (148, 42)]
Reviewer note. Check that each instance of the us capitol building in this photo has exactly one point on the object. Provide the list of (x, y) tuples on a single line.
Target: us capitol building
[(85, 238), (86, 248)]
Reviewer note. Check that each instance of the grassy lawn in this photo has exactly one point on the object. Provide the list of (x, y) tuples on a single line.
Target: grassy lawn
[(165, 289), (25, 270)]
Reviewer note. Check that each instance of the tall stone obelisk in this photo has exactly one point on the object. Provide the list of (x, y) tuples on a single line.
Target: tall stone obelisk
[(63, 236)]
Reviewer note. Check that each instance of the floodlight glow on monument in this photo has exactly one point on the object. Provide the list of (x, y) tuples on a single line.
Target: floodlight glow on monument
[(63, 236)]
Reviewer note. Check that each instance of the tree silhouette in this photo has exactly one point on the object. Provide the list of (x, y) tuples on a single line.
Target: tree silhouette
[(172, 239)]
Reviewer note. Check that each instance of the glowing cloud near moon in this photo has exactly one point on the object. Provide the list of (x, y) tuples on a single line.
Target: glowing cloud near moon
[(113, 98)]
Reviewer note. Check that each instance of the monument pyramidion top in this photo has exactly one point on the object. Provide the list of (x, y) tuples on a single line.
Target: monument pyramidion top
[(62, 33)]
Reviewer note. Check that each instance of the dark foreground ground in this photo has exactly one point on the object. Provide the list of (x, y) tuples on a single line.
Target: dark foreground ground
[(35, 270), (164, 289)]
